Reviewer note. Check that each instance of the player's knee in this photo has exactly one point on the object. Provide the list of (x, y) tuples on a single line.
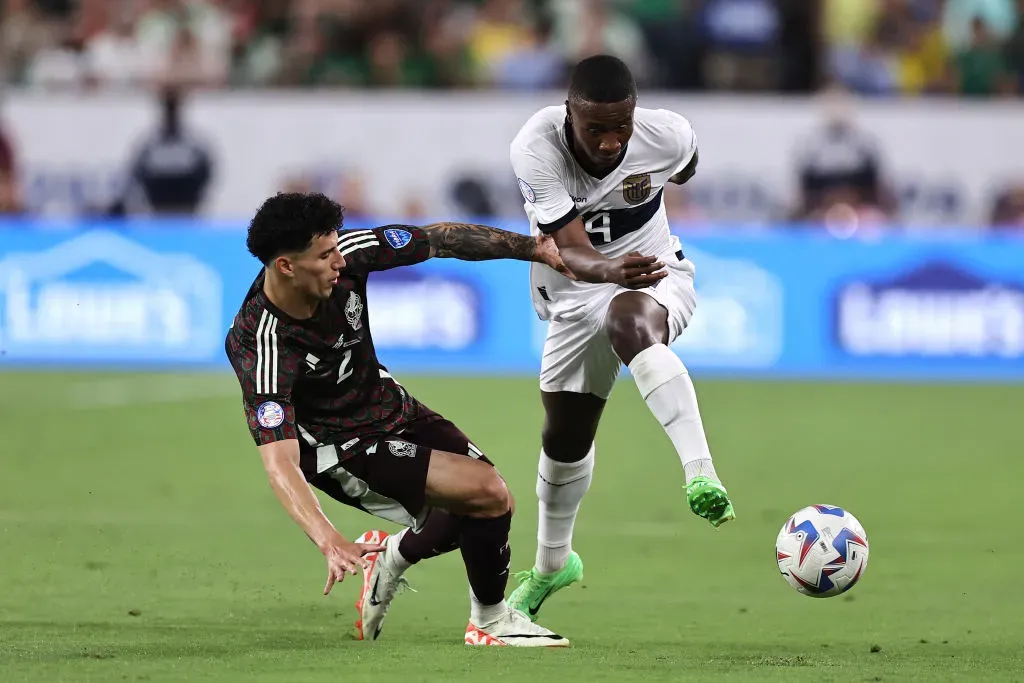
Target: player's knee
[(491, 497), (567, 445), (631, 329)]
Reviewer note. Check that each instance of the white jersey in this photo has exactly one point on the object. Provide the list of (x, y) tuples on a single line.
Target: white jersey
[(622, 212)]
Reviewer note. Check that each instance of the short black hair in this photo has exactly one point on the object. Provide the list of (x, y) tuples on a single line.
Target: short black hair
[(602, 78), (288, 222)]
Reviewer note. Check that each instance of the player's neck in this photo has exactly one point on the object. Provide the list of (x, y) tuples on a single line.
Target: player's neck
[(288, 299)]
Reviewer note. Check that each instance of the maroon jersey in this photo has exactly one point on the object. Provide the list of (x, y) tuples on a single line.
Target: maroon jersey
[(319, 380)]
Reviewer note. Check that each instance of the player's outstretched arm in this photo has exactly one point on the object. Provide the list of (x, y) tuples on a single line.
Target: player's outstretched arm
[(588, 264), (470, 242), (281, 461)]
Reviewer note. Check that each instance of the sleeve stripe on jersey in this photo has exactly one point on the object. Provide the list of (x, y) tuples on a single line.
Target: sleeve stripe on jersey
[(554, 226), (266, 354), (353, 236), (360, 243)]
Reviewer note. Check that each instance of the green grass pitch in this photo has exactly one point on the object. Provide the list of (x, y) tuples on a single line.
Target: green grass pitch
[(139, 541)]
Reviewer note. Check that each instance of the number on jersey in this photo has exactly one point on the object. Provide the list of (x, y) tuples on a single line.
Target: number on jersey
[(599, 226), (344, 371)]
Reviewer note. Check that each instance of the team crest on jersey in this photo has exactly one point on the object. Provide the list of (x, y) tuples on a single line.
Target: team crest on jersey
[(270, 415), (402, 449), (354, 311), (528, 193), (636, 188), (397, 238)]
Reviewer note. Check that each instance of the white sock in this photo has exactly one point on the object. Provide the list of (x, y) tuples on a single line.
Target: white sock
[(481, 614), (393, 555), (665, 384), (560, 489)]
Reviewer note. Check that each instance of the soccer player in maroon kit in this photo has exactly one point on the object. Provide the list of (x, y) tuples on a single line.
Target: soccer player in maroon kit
[(324, 412)]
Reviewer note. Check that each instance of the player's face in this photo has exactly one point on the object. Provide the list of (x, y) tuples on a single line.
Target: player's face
[(315, 271), (601, 130)]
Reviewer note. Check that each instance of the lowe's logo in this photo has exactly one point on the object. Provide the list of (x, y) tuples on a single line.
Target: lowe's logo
[(937, 310), (102, 296)]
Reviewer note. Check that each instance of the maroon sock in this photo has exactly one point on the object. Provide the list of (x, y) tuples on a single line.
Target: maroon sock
[(438, 535), (486, 554)]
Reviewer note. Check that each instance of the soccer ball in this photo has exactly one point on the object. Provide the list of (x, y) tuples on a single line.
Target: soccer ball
[(822, 551)]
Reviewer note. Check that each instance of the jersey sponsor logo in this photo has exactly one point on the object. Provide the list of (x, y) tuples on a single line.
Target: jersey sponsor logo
[(270, 415), (527, 191), (354, 311), (397, 238), (402, 449), (636, 188)]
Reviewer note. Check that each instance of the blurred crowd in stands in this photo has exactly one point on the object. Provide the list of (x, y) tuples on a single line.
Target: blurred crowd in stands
[(873, 47), (870, 48)]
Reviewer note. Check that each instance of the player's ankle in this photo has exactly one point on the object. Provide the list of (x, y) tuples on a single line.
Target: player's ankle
[(702, 467), (551, 559), (481, 615)]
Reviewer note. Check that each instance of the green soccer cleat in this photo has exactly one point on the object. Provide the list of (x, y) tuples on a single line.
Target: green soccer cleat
[(709, 499), (534, 588)]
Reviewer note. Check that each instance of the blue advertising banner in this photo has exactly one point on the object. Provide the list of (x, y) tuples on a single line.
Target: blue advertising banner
[(786, 304)]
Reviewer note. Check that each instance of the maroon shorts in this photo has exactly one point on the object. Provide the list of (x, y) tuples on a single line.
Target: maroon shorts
[(388, 477)]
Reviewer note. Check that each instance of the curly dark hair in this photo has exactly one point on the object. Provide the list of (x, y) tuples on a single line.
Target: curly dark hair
[(288, 222)]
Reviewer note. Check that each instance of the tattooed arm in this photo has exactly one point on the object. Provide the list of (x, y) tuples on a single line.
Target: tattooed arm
[(482, 243)]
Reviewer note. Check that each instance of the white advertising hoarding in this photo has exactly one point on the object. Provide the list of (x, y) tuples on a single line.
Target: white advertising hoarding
[(945, 158)]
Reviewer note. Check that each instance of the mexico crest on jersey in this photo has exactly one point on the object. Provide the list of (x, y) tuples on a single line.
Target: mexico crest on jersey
[(636, 188), (402, 449), (354, 311)]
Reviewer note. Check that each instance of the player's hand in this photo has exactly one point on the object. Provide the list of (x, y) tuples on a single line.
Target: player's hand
[(636, 271), (547, 253), (346, 558)]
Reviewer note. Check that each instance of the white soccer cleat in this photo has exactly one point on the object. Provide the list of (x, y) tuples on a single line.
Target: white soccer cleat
[(380, 583), (514, 629)]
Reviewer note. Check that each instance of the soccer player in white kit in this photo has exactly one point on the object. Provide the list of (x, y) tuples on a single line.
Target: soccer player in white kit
[(592, 174)]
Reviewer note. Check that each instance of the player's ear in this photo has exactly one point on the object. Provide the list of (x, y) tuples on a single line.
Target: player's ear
[(283, 265)]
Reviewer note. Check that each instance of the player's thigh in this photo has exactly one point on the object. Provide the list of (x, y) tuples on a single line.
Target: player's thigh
[(677, 296), (578, 358), (460, 478), (636, 321), (387, 479), (465, 486), (435, 432)]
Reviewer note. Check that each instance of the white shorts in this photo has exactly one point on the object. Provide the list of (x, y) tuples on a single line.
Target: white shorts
[(578, 355)]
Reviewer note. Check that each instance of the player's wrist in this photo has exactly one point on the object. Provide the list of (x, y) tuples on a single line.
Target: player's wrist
[(328, 538)]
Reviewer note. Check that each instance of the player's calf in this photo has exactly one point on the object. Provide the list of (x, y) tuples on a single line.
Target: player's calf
[(665, 384)]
